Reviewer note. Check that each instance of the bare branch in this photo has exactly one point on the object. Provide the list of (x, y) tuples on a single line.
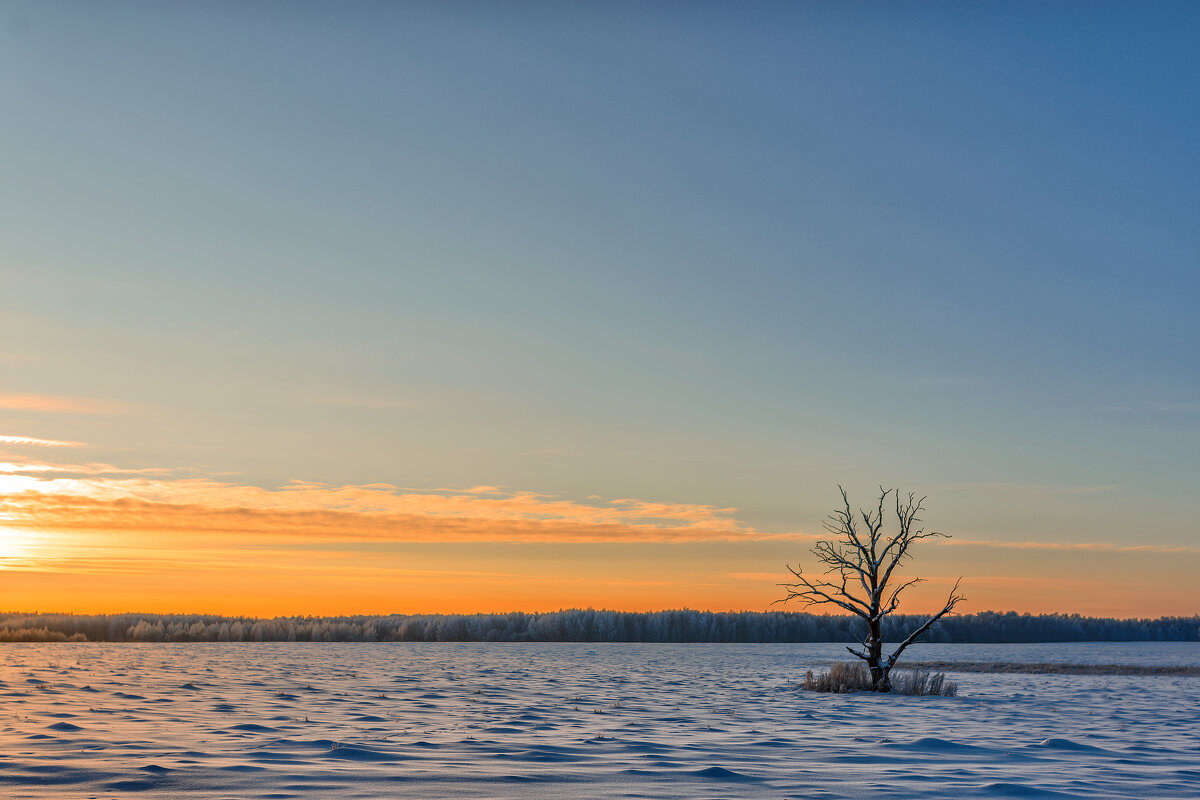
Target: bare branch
[(859, 552), (883, 493), (835, 558), (811, 593), (906, 515), (894, 600), (844, 526), (954, 599)]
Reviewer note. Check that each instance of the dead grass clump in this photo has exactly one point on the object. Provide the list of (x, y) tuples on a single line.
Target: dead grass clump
[(921, 682), (853, 676), (843, 677)]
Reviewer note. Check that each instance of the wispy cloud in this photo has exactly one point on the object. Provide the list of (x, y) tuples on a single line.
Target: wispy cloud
[(1028, 582), (91, 469), (43, 495), (35, 442), (1005, 581), (37, 497), (1097, 546), (58, 404)]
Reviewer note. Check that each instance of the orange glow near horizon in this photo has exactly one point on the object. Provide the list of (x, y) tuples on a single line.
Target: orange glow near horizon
[(94, 539), (110, 572)]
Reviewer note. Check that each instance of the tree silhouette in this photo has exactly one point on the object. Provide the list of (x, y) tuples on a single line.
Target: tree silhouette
[(859, 565)]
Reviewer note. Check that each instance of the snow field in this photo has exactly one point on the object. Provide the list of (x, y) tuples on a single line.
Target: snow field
[(471, 720)]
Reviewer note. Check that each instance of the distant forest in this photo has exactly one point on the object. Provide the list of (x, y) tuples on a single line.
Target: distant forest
[(585, 625)]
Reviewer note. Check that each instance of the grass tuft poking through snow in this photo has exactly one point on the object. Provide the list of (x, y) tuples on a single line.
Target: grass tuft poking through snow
[(921, 682), (853, 676), (843, 677)]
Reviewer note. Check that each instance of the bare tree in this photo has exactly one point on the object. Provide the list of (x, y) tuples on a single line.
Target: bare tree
[(859, 563)]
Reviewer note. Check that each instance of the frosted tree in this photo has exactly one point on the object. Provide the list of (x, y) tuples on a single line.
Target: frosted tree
[(859, 562)]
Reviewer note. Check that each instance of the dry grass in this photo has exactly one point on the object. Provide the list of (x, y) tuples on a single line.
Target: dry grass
[(853, 676), (843, 677), (922, 682)]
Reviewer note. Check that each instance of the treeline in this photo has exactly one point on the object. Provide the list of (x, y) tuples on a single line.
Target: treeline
[(585, 625)]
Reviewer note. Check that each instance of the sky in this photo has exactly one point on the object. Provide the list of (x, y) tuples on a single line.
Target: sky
[(375, 307)]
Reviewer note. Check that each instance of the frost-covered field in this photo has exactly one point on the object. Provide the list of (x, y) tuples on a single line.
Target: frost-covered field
[(579, 721)]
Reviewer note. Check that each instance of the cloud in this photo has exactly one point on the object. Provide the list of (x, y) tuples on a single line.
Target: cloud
[(83, 513), (100, 497), (1097, 546), (91, 468), (1029, 582), (30, 440), (39, 496), (57, 404), (1004, 581)]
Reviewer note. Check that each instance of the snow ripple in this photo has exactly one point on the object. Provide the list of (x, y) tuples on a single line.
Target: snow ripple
[(278, 720)]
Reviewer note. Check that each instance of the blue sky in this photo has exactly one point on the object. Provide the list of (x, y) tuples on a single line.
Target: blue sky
[(726, 255)]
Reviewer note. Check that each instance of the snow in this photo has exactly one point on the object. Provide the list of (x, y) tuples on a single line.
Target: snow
[(469, 720)]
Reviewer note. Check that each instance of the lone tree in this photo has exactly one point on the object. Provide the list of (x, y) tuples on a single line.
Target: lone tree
[(859, 563)]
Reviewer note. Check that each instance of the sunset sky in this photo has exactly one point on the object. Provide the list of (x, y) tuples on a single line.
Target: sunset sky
[(376, 307)]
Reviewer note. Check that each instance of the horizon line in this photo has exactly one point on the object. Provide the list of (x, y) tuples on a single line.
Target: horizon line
[(9, 614)]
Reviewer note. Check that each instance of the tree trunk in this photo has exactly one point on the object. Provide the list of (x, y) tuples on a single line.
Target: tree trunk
[(881, 679), (862, 556), (880, 675)]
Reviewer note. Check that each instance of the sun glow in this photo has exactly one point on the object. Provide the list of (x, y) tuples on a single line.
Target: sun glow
[(15, 544)]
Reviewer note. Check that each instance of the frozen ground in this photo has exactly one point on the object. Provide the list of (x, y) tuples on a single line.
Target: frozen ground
[(581, 721)]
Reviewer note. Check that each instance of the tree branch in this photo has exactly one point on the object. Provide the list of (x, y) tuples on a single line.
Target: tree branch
[(811, 593), (954, 599), (860, 551), (894, 600)]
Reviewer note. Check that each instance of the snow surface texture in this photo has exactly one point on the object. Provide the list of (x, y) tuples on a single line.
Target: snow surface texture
[(281, 720)]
